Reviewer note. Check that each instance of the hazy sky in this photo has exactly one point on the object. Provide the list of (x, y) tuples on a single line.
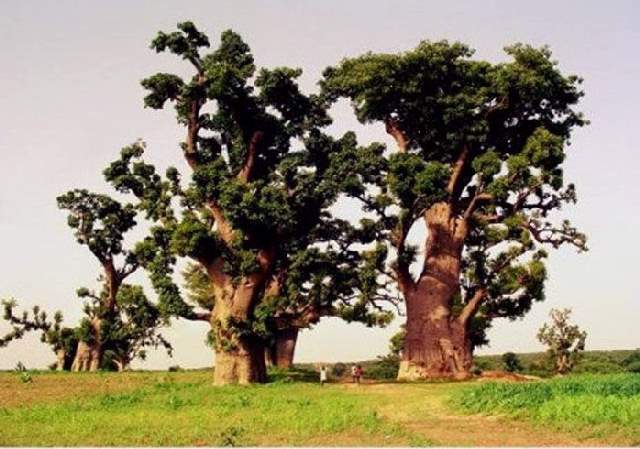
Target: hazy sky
[(70, 99)]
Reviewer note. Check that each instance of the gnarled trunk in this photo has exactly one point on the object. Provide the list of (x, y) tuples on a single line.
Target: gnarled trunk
[(89, 355), (280, 353), (243, 364), (437, 343), (240, 356)]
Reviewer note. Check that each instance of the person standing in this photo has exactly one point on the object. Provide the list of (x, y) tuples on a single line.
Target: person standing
[(359, 373), (354, 373), (323, 375)]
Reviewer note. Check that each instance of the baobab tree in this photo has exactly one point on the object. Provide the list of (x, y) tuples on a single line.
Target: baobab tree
[(124, 337), (100, 223), (478, 162), (62, 340), (263, 175), (313, 284)]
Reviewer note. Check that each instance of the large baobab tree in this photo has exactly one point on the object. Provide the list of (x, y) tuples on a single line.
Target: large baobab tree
[(478, 161), (262, 174), (310, 284)]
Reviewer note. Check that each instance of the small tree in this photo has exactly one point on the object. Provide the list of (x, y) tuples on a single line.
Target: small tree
[(564, 340), (61, 339), (124, 336), (511, 362)]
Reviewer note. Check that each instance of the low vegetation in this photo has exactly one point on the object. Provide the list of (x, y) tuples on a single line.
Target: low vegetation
[(591, 404), (184, 408)]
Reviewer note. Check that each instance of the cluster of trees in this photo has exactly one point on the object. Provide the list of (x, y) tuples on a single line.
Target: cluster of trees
[(478, 157)]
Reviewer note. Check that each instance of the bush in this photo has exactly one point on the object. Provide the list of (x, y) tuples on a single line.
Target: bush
[(511, 362), (633, 367), (633, 359), (597, 367), (385, 368), (338, 369), (175, 368)]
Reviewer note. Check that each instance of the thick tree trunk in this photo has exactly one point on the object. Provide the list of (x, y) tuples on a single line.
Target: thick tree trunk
[(61, 355), (437, 343), (89, 355), (244, 364), (82, 360), (281, 351), (240, 358)]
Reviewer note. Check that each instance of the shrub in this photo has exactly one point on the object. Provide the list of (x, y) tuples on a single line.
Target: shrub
[(633, 367), (598, 367), (385, 368), (511, 362), (634, 358), (175, 368), (338, 369)]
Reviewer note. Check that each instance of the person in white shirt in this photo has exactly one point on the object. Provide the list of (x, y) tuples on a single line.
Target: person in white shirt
[(323, 375)]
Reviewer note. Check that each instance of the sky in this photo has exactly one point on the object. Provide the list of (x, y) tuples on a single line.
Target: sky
[(70, 98)]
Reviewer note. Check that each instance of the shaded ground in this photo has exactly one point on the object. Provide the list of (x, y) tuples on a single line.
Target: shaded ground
[(174, 409)]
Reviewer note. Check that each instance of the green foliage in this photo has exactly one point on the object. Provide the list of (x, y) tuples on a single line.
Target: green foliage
[(338, 369), (567, 403), (99, 221), (264, 175), (511, 362), (632, 358), (485, 140), (633, 367), (598, 367), (23, 373), (396, 343), (564, 340), (385, 368)]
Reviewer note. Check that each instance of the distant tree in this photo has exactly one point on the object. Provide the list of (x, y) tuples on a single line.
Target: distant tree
[(565, 341), (63, 340), (100, 223), (478, 163), (263, 175), (511, 362), (124, 337), (338, 369), (396, 343)]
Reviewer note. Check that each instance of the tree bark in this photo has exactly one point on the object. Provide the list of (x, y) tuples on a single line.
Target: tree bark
[(89, 355), (281, 351), (437, 343), (244, 364), (61, 355), (240, 356)]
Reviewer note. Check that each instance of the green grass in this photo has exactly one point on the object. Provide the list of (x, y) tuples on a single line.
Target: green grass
[(170, 413), (598, 404)]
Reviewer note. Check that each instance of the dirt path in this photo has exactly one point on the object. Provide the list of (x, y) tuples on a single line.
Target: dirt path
[(423, 410)]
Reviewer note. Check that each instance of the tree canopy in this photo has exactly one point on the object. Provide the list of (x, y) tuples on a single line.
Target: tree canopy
[(487, 142)]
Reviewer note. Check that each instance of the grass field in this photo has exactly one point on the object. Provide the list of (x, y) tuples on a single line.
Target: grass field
[(597, 405), (184, 408)]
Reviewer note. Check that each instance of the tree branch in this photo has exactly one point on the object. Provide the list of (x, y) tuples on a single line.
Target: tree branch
[(472, 305), (394, 131), (454, 187), (245, 173)]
